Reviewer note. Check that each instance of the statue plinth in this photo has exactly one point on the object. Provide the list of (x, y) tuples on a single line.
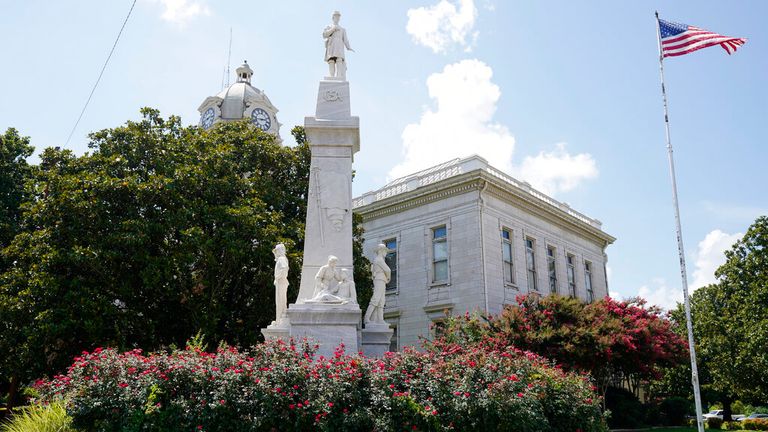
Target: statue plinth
[(375, 339), (330, 325)]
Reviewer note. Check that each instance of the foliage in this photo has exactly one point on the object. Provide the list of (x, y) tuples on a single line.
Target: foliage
[(14, 173), (279, 386), (755, 424), (730, 323), (605, 338), (674, 409), (161, 231), (39, 418), (626, 410), (714, 423)]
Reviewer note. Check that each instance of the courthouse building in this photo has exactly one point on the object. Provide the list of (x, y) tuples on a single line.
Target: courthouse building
[(465, 236)]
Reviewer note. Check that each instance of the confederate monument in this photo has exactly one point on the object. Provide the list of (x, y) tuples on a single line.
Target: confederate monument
[(326, 308)]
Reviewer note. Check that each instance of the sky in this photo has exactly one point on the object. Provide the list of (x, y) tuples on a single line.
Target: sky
[(562, 94)]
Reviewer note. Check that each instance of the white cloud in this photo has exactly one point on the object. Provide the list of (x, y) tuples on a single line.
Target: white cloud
[(659, 294), (180, 12), (442, 25), (556, 171), (710, 255), (461, 124)]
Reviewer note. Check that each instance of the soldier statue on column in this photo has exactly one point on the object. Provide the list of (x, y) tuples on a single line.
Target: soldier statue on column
[(335, 43)]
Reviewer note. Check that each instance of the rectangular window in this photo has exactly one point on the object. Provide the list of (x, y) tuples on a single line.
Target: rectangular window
[(393, 343), (439, 254), (571, 276), (588, 281), (391, 260), (506, 252), (551, 269), (530, 259)]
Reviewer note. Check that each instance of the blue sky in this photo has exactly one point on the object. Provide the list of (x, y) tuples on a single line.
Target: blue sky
[(562, 94)]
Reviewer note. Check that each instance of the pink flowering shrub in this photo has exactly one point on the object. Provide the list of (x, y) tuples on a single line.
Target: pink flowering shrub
[(279, 386)]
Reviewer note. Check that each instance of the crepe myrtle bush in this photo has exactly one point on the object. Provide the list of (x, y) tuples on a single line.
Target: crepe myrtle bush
[(285, 386)]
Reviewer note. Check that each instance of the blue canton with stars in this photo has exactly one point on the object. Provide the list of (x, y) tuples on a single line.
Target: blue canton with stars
[(670, 28)]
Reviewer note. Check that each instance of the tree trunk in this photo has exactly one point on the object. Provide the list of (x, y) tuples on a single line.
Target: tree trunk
[(727, 409), (13, 391)]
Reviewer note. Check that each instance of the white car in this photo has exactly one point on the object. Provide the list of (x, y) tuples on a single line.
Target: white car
[(714, 414)]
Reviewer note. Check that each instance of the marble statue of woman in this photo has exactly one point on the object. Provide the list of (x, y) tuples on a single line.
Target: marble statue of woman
[(346, 288), (381, 277), (335, 42), (281, 282)]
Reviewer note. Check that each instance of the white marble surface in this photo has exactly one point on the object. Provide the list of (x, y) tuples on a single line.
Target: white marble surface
[(327, 324), (333, 100), (375, 339), (328, 229)]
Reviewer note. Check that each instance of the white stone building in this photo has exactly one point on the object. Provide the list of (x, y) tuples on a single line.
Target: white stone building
[(467, 237)]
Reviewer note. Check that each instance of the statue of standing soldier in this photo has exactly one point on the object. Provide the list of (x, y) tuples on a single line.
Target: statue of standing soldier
[(335, 42)]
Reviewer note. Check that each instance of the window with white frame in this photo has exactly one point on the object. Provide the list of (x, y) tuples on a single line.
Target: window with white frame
[(439, 254), (569, 259), (551, 269), (506, 253), (588, 281), (530, 259), (391, 260)]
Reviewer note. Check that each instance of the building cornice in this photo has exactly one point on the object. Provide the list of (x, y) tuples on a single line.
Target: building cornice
[(499, 188)]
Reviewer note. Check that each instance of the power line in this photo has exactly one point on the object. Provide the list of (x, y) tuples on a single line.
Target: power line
[(103, 68)]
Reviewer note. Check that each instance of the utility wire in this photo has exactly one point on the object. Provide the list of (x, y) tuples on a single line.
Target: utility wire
[(103, 68)]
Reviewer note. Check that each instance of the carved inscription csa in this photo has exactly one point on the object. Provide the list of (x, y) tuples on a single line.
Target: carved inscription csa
[(332, 96)]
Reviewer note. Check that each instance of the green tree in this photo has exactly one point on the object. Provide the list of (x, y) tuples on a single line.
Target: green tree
[(730, 320), (14, 172), (160, 232)]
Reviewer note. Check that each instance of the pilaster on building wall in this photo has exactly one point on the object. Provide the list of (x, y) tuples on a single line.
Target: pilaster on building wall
[(474, 202)]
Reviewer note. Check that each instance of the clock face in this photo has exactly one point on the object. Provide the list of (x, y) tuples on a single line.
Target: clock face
[(261, 119), (206, 120)]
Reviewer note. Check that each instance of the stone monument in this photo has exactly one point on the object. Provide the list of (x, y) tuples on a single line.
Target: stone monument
[(326, 308)]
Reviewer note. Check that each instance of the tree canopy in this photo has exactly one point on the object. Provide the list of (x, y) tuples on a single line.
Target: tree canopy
[(158, 233), (609, 339)]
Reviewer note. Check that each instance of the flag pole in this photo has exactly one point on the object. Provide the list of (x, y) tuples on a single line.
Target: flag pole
[(681, 251)]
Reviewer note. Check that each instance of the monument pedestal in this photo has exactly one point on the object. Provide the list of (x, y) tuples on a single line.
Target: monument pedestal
[(376, 339), (277, 330), (328, 325)]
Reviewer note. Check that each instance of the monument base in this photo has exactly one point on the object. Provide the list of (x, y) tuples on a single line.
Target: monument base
[(329, 325), (277, 330), (376, 339)]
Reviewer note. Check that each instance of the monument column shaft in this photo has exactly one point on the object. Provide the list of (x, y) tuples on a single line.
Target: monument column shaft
[(334, 137)]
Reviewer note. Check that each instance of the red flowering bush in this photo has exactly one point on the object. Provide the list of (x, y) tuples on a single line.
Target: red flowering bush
[(280, 386)]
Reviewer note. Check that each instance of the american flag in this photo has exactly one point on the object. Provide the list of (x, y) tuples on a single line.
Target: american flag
[(678, 39)]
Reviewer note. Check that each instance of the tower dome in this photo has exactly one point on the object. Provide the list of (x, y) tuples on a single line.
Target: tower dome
[(240, 101)]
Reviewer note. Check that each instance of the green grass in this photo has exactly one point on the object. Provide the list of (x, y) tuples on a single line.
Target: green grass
[(52, 418)]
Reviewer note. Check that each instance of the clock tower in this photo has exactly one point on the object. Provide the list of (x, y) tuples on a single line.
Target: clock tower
[(241, 101)]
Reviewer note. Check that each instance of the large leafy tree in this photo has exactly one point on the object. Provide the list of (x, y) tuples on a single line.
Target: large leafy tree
[(160, 232), (612, 340), (14, 172), (730, 321)]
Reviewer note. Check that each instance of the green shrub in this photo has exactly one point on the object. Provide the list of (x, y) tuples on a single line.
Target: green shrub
[(674, 410), (732, 426), (280, 386), (714, 423), (39, 418), (626, 409), (755, 424)]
